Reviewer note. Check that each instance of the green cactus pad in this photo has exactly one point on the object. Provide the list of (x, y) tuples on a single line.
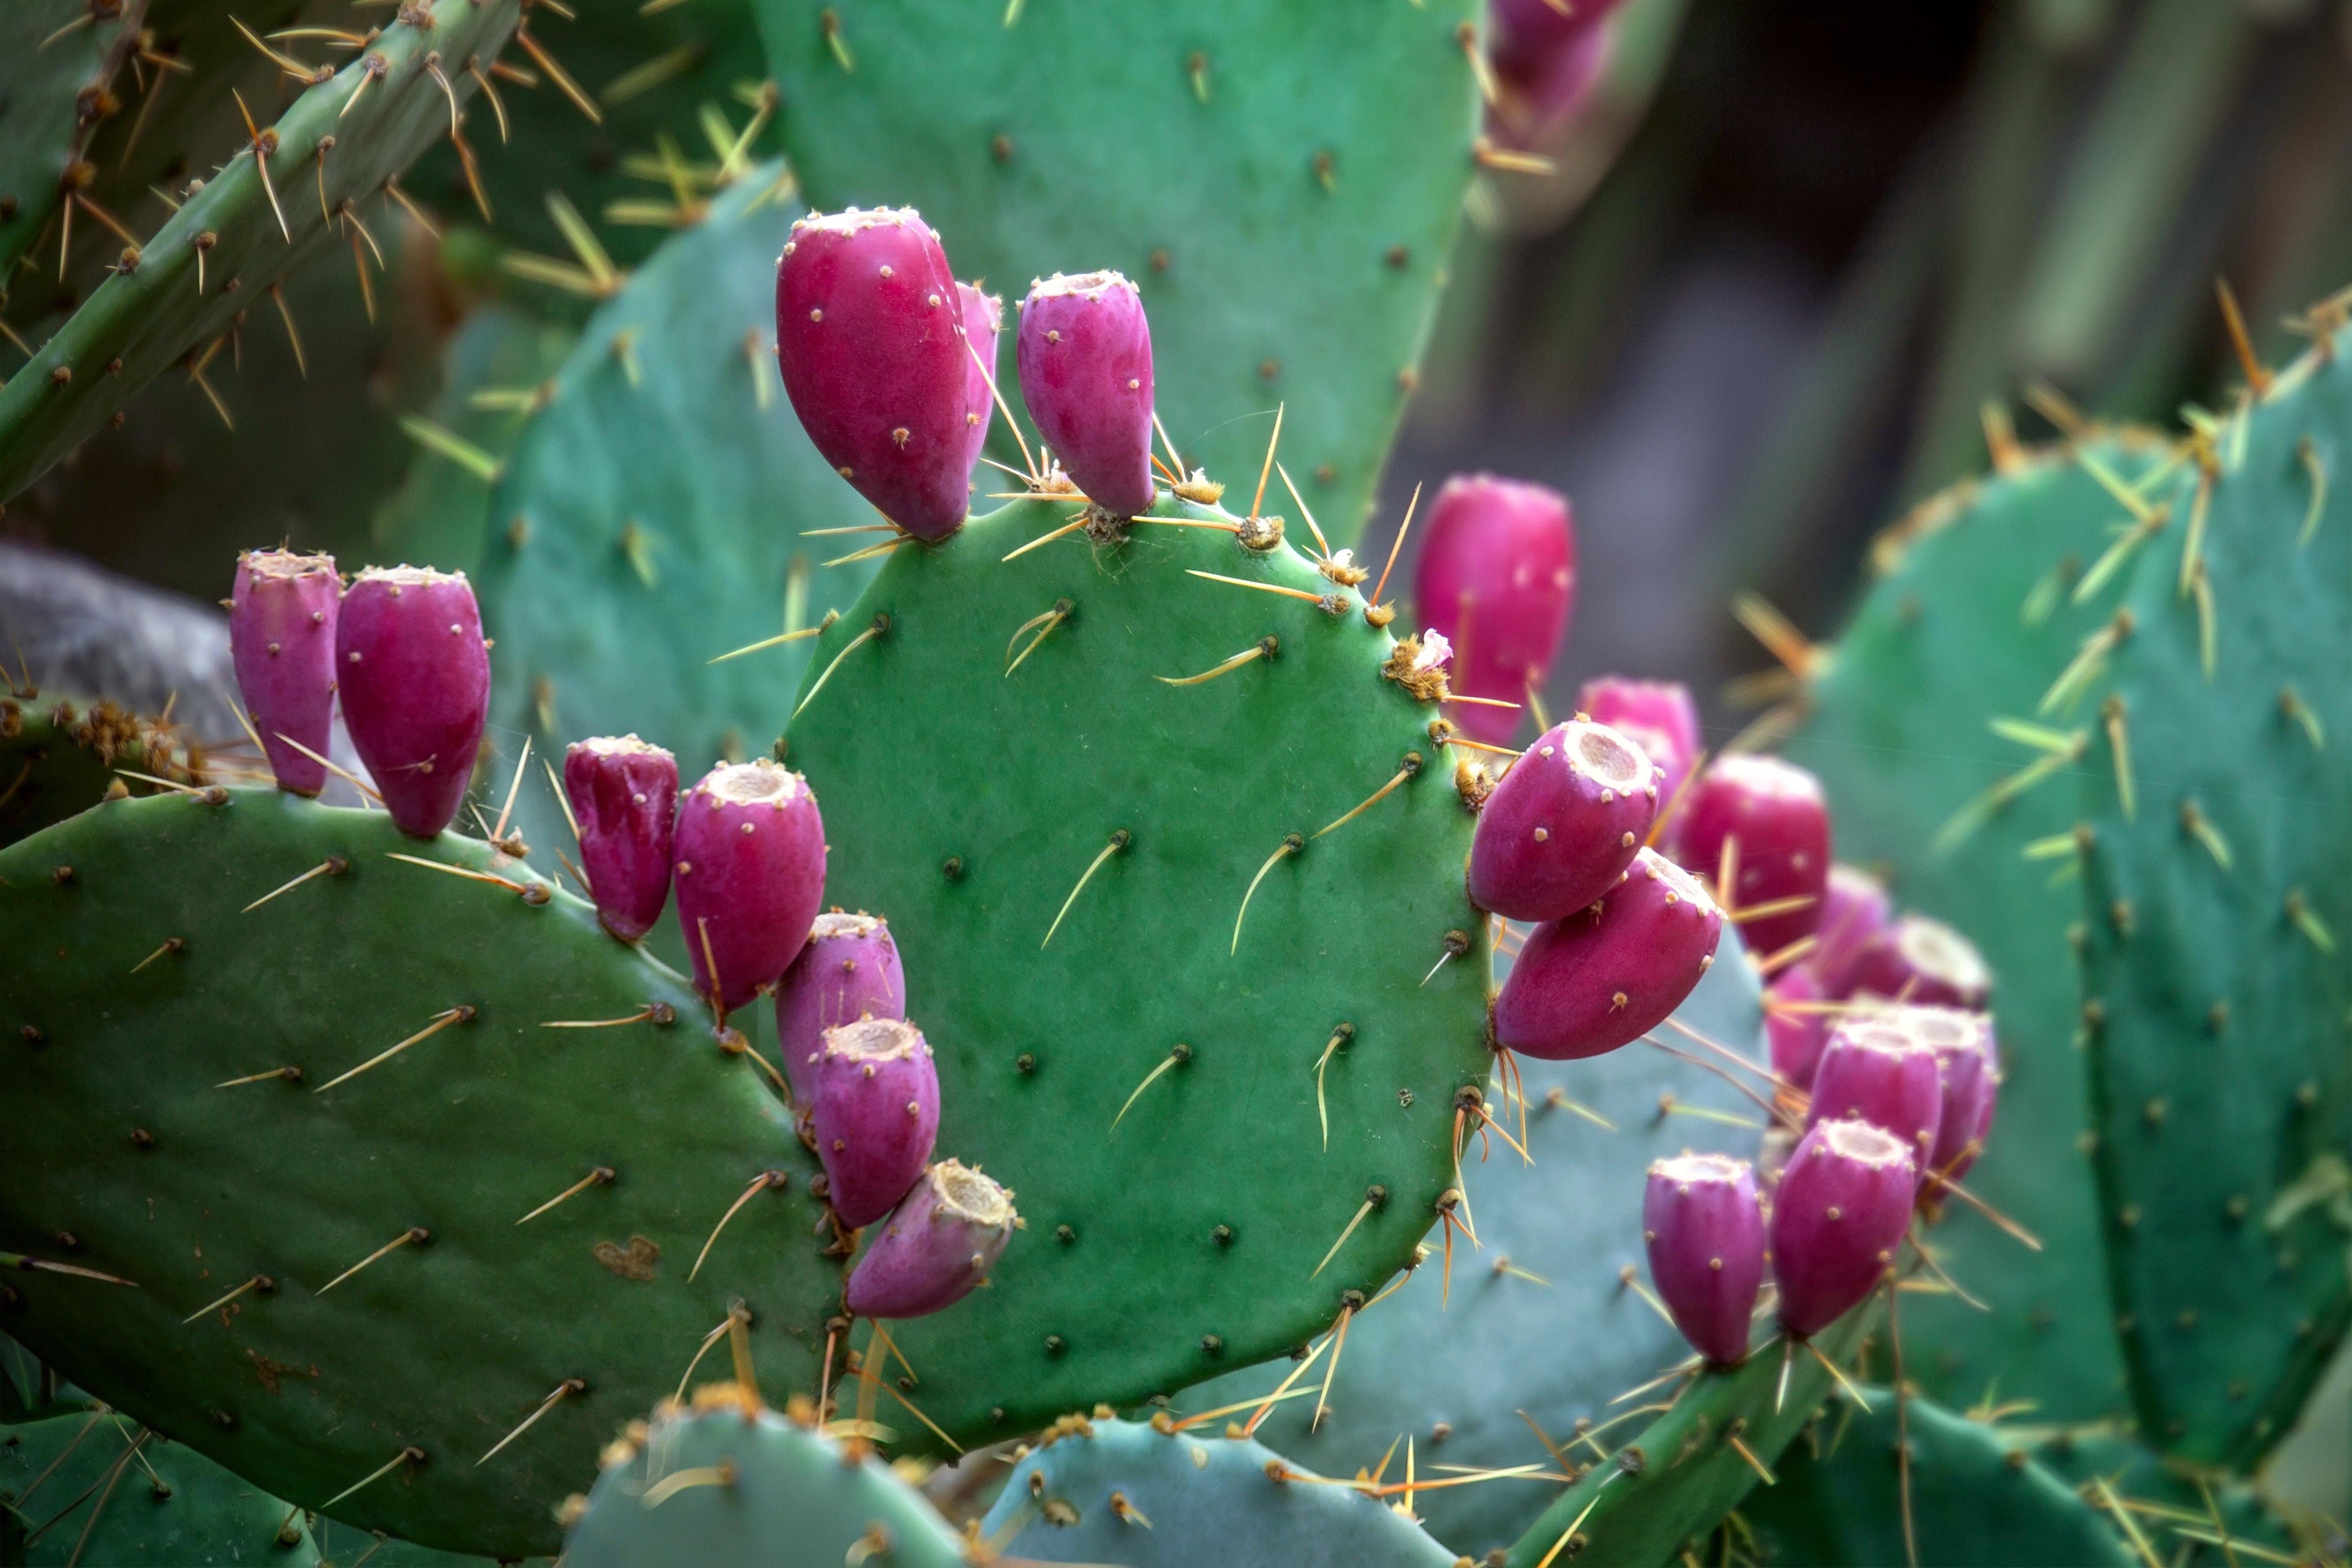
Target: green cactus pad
[(1413, 1365), (967, 805), (1282, 179), (97, 1487), (1976, 1497), (31, 1392), (1968, 621), (137, 323), (130, 1161), (50, 67), (2175, 1505), (2218, 997), (1152, 1497), (59, 755), (1680, 1475), (722, 1485)]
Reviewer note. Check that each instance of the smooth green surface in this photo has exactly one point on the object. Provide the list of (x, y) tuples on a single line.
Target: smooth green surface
[(2222, 1135), (148, 318), (1209, 196), (1187, 1498), (922, 748), (790, 1499), (58, 757), (1573, 1337), (445, 1345), (1974, 1499), (1941, 646), (72, 1490), (42, 76)]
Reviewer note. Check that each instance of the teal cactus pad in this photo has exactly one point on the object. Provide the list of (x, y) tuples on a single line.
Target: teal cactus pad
[(1282, 179), (59, 755), (924, 752), (1975, 1497), (137, 323), (2218, 997), (99, 1489), (1413, 1366), (31, 1392), (1968, 619), (721, 1485), (43, 76), (130, 1161), (1122, 1491), (2207, 1504)]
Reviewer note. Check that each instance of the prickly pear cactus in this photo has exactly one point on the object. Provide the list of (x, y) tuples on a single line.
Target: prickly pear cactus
[(59, 755), (1975, 1496), (251, 224), (1282, 179), (1065, 844), (57, 60), (97, 1487), (485, 1240), (1970, 617), (2217, 1001), (1154, 1497), (1410, 1368)]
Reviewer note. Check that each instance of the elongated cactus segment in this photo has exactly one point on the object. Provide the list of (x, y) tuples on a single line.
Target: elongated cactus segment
[(98, 1487), (312, 1248), (57, 61)]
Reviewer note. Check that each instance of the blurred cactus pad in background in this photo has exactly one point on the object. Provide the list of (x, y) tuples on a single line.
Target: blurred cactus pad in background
[(1475, 783)]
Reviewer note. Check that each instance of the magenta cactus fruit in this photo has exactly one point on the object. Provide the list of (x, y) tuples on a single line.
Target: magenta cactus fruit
[(1706, 1236), (1840, 1212), (1920, 961), (624, 795), (1854, 908), (1085, 353), (1534, 103), (1498, 577), (875, 1114), (1658, 715), (870, 339), (1606, 975), (1563, 823), (1523, 38), (1776, 814), (1969, 1065), (939, 1244), (750, 876), (1796, 1036), (984, 318), (281, 637), (415, 676), (1875, 1070), (848, 970)]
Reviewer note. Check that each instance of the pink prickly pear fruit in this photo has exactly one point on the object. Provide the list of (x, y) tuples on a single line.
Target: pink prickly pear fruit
[(1967, 1060), (1085, 353), (1706, 1236), (935, 1246), (750, 876), (1854, 908), (281, 636), (1658, 715), (870, 339), (875, 1114), (1795, 1036), (1875, 1070), (1606, 975), (984, 318), (414, 676), (1498, 577), (1537, 103), (1562, 826), (1524, 36), (1921, 961), (1776, 814), (624, 794), (848, 970), (1841, 1210)]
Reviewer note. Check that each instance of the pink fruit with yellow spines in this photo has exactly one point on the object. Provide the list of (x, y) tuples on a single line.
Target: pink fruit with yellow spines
[(624, 795), (1498, 577), (1772, 819), (1921, 961), (1838, 1216), (1563, 823), (1607, 975), (281, 636), (934, 1248), (1705, 1233), (749, 847), (1875, 1069), (1795, 1034), (413, 673)]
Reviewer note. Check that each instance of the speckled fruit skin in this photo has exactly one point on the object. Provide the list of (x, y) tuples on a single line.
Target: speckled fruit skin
[(1563, 823), (1704, 1232), (1604, 976), (1840, 1208), (414, 676), (1658, 714), (751, 875), (624, 794), (1777, 814), (875, 1114), (1875, 1070), (1498, 577), (1085, 353), (281, 634), (848, 970), (935, 1247)]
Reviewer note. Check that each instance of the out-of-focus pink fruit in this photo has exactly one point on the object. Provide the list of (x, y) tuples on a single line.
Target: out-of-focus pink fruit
[(1498, 577), (1776, 813), (624, 793)]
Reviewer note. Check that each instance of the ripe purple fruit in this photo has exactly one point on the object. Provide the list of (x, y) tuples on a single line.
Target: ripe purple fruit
[(624, 794), (1968, 1064), (848, 970), (414, 676), (1706, 1236), (1920, 961), (1604, 976), (1854, 908), (1563, 823), (874, 1113), (870, 339), (1085, 354), (1658, 715), (750, 876), (1546, 91), (1498, 577), (1837, 1217), (1796, 1036), (1525, 37), (935, 1246), (281, 634), (983, 317), (1776, 814), (1875, 1070)]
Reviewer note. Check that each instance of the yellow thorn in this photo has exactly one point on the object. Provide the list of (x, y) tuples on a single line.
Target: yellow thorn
[(881, 625), (1488, 155), (287, 1073), (1339, 1036), (1265, 648), (498, 105), (170, 945), (1326, 602), (1258, 499), (1394, 545), (1321, 543), (2258, 379), (765, 1179), (1119, 839), (1291, 843), (413, 1233), (408, 1456), (568, 1385), (871, 550), (1051, 618), (1412, 766), (1182, 1054), (1373, 1198), (2119, 741), (524, 888), (601, 1173), (258, 1282), (1338, 1344), (829, 24), (462, 1014), (563, 82), (2318, 472)]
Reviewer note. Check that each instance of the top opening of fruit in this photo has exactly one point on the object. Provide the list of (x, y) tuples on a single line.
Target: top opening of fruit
[(749, 784), (964, 1193), (873, 1040), (837, 924), (1861, 1141), (1608, 758), (1682, 1170), (1939, 953)]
